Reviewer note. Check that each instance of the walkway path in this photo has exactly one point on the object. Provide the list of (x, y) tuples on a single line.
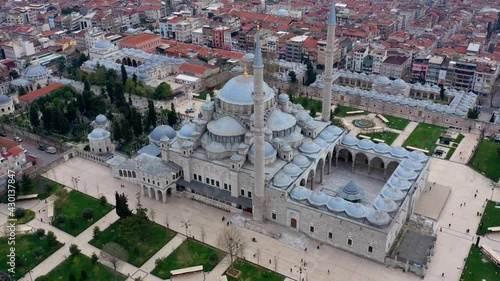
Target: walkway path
[(163, 252), (465, 149), (405, 134)]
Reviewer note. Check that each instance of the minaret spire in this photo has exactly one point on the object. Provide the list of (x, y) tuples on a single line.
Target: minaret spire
[(259, 200), (328, 75)]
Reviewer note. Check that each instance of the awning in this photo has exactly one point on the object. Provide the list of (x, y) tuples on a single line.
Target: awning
[(214, 192)]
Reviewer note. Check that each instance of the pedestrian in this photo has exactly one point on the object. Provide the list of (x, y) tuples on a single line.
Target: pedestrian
[(461, 204), (227, 224), (464, 204), (290, 269), (269, 261), (328, 271), (442, 274), (475, 195), (477, 214), (430, 188), (41, 219), (305, 250), (440, 229), (301, 260), (467, 230), (39, 211), (449, 225), (318, 247), (452, 214), (223, 218), (476, 190)]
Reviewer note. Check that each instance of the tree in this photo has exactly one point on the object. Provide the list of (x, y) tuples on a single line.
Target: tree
[(136, 120), (74, 250), (51, 238), (114, 254), (22, 91), (26, 183), (293, 76), (38, 252), (71, 277), (441, 92), (61, 66), (119, 95), (83, 275), (94, 258), (152, 214), (203, 234), (473, 113), (310, 74), (172, 118), (88, 214), (124, 74), (142, 213), (231, 240), (19, 213), (97, 232), (126, 130), (162, 92), (151, 118), (40, 232), (122, 209), (134, 78), (14, 74), (103, 200), (110, 90)]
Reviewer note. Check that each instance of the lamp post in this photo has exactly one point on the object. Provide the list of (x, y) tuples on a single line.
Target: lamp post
[(186, 225)]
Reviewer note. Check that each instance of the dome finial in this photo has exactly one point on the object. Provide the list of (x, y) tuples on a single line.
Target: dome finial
[(245, 72), (258, 26)]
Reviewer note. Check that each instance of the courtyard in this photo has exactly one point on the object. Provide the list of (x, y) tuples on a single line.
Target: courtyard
[(425, 137), (486, 159)]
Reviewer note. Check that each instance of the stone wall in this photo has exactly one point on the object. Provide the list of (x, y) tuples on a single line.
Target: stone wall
[(417, 114)]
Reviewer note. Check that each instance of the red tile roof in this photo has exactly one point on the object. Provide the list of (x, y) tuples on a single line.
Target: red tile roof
[(137, 39), (16, 150), (40, 92), (8, 144)]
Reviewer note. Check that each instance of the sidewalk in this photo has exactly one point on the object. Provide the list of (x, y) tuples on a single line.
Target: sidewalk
[(405, 134), (465, 149)]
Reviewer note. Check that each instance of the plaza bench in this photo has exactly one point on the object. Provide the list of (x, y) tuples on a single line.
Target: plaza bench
[(50, 209), (355, 112), (381, 117), (492, 255), (417, 149), (26, 197), (223, 278), (378, 140), (186, 271), (494, 229), (364, 137)]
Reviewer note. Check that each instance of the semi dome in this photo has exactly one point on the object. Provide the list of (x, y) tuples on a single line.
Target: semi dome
[(382, 147), (98, 134), (398, 182), (356, 210), (5, 99), (336, 204), (321, 142), (350, 140), (162, 130), (301, 161), (399, 151), (239, 91), (412, 164), (351, 192), (406, 173), (385, 204), (418, 155), (101, 119), (399, 83), (327, 136), (282, 180), (383, 80), (318, 199), (103, 44), (279, 121), (226, 126), (35, 71), (216, 147), (309, 147), (283, 98), (378, 218), (292, 170), (334, 130), (187, 130), (269, 150), (365, 144), (300, 193)]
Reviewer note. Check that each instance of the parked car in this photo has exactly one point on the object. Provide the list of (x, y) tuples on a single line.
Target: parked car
[(189, 110), (2, 134), (18, 139), (51, 150), (41, 147)]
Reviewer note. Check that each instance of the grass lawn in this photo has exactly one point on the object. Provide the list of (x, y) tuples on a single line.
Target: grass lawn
[(491, 217), (43, 187), (203, 95), (425, 136), (27, 217), (25, 257), (396, 122), (479, 267), (450, 153), (486, 159), (309, 104), (189, 253), (459, 138), (341, 111), (252, 272), (388, 137), (73, 206), (140, 240), (76, 264)]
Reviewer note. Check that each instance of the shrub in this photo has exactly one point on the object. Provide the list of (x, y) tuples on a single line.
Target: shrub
[(83, 275), (38, 252), (88, 214), (61, 219), (94, 258), (103, 200), (19, 213), (51, 238), (71, 277), (40, 232), (74, 250), (72, 223), (97, 232)]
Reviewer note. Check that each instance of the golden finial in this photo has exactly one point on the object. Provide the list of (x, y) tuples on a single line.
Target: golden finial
[(258, 26), (245, 72)]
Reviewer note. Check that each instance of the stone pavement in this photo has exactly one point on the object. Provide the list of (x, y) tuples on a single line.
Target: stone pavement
[(465, 148), (405, 134)]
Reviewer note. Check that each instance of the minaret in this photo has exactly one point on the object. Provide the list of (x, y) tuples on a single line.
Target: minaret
[(328, 75), (259, 199)]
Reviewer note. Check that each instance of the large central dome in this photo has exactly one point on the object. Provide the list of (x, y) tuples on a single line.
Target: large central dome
[(239, 91)]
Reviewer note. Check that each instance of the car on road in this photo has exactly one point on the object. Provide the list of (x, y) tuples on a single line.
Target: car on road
[(189, 110), (2, 134), (18, 139), (51, 150), (41, 147)]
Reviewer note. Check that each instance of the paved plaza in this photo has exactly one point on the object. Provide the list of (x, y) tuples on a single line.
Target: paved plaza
[(453, 242)]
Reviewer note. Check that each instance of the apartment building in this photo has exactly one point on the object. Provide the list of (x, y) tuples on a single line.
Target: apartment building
[(294, 48), (395, 66), (355, 59)]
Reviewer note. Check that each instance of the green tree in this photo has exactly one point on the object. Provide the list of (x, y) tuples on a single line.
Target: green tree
[(116, 128), (310, 74), (119, 95), (26, 183), (80, 103), (34, 117), (172, 116), (110, 90), (59, 122), (134, 78), (124, 74), (88, 214), (94, 258), (136, 122), (74, 250), (22, 91), (126, 130), (130, 86), (61, 65), (83, 275), (151, 118), (71, 113), (142, 213), (162, 92), (293, 76), (122, 209), (14, 74), (51, 238)]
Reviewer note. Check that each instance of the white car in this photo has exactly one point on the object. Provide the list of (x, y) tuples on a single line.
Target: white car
[(18, 139)]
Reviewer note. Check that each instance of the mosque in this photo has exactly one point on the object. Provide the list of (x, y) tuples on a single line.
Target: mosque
[(253, 150)]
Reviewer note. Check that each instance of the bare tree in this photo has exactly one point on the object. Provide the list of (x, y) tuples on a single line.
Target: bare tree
[(231, 240), (114, 254), (152, 214), (203, 234)]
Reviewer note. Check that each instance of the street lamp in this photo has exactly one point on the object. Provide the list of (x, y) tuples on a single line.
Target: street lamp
[(186, 225)]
